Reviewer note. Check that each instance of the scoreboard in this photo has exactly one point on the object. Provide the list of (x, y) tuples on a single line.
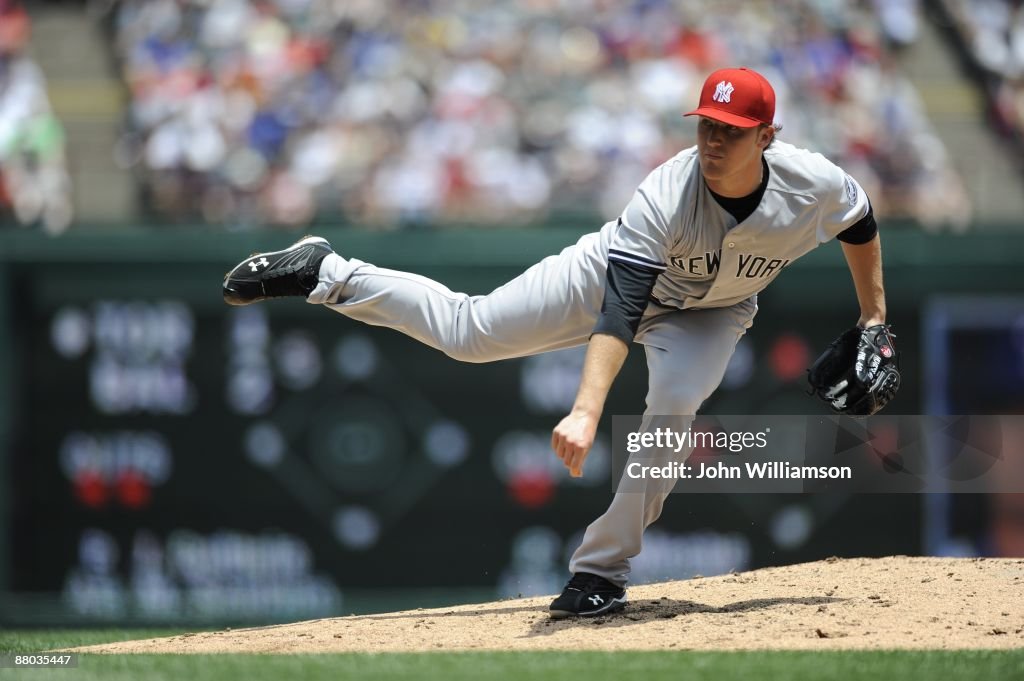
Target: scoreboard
[(170, 458)]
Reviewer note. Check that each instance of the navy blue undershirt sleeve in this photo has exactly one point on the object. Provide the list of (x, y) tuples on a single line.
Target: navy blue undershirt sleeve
[(862, 231), (625, 298)]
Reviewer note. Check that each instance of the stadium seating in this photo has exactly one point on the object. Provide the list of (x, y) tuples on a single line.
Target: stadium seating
[(395, 112), (34, 187)]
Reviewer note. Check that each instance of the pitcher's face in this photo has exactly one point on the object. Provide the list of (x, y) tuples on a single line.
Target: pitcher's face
[(727, 151)]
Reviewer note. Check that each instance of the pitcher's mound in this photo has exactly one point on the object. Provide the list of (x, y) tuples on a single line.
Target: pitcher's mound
[(898, 602)]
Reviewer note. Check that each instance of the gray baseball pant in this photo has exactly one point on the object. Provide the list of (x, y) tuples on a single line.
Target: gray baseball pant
[(554, 304)]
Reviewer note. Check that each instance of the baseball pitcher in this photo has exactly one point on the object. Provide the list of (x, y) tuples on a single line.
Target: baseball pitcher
[(677, 272)]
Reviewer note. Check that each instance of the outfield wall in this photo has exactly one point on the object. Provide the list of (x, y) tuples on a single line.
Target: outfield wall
[(166, 458)]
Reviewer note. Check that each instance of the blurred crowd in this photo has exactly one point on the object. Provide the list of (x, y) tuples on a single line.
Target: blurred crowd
[(34, 185), (247, 112), (993, 30)]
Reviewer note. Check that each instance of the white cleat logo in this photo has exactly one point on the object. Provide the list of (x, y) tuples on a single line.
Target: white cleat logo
[(255, 264), (723, 92), (596, 600)]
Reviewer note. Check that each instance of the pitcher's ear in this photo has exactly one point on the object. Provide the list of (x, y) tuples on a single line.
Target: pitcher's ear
[(773, 130)]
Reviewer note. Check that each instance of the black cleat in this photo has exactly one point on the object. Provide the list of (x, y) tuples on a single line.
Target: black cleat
[(291, 272), (587, 595)]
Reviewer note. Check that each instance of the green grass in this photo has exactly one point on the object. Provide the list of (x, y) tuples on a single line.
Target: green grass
[(36, 640), (554, 666)]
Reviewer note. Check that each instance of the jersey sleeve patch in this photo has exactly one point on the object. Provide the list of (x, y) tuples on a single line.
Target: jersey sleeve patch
[(852, 193)]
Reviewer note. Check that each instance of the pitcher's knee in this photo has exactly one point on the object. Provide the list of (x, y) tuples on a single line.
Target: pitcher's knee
[(471, 345), (463, 339)]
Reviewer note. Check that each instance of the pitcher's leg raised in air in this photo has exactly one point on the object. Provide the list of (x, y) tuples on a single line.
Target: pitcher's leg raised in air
[(552, 305)]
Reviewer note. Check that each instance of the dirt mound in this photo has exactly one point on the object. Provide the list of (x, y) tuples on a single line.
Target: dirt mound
[(899, 602)]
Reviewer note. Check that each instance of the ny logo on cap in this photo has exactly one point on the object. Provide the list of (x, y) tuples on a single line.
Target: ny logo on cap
[(723, 92)]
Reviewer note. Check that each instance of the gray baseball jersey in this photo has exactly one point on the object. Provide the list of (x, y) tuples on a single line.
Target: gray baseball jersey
[(712, 269), (674, 224)]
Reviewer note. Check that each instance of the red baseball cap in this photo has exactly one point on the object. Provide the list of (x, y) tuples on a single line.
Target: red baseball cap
[(739, 97)]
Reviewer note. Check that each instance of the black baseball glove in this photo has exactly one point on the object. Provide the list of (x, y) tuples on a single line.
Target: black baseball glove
[(859, 372)]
